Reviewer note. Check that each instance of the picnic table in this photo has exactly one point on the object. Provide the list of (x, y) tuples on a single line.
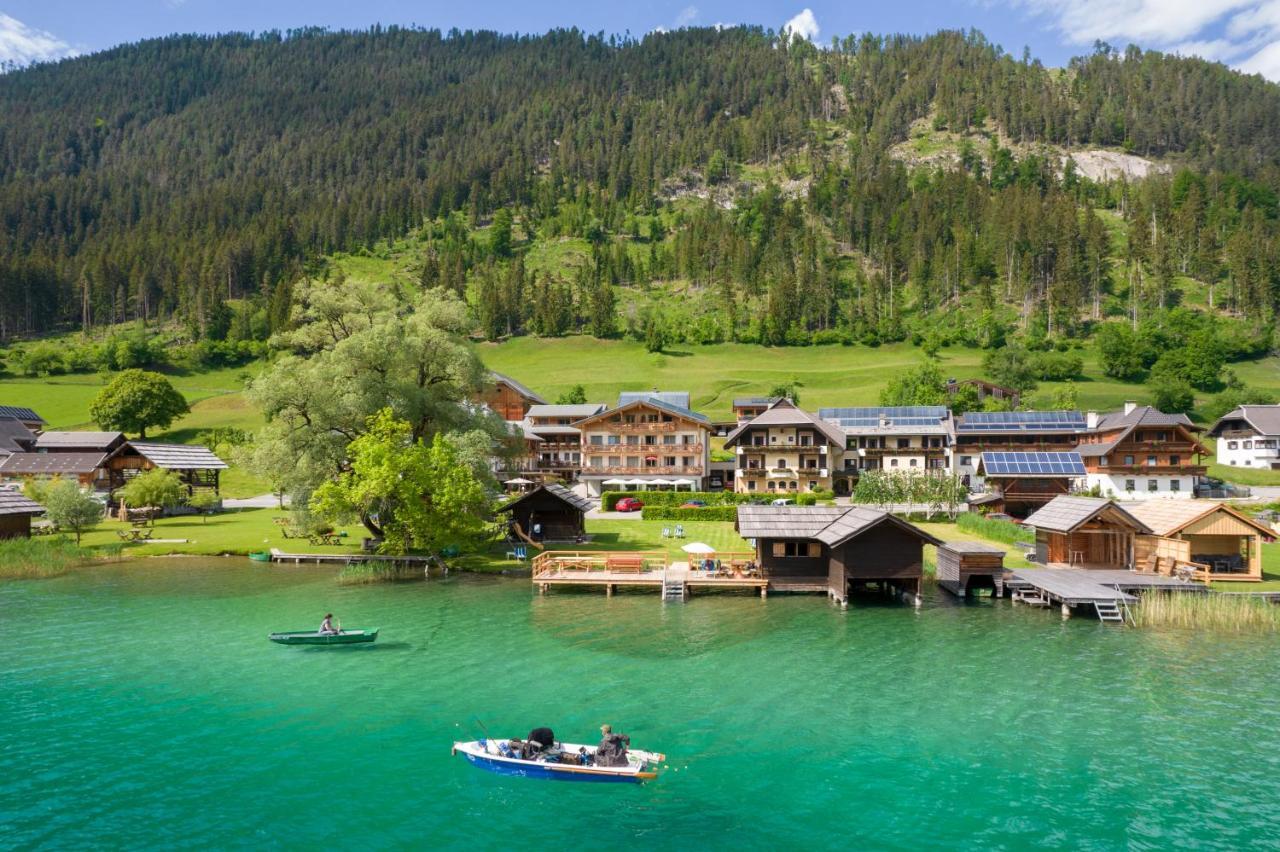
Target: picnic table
[(330, 538), (135, 534)]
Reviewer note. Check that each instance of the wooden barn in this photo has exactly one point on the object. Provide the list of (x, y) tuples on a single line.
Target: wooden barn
[(964, 566), (840, 548), (79, 442), (1086, 532), (197, 466), (1213, 540), (557, 511), (16, 512)]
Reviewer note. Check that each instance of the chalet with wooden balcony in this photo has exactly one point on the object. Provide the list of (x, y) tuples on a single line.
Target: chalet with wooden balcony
[(648, 440), (1249, 436), (748, 408), (786, 450), (1141, 454), (507, 398), (979, 432), (892, 438), (554, 443)]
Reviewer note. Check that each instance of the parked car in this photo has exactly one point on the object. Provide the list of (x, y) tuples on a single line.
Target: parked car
[(693, 504), (783, 501), (628, 504)]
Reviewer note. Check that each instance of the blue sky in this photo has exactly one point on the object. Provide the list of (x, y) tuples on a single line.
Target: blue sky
[(1242, 33)]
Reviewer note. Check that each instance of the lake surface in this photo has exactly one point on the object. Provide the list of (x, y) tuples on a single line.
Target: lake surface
[(141, 706)]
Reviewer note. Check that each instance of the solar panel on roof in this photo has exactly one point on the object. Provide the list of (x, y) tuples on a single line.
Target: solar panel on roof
[(1022, 421), (1033, 464)]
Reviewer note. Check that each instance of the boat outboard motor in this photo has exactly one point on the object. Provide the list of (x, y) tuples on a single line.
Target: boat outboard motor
[(544, 737)]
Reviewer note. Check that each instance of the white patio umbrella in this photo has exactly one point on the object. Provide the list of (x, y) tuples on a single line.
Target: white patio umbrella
[(615, 482), (698, 547), (519, 480)]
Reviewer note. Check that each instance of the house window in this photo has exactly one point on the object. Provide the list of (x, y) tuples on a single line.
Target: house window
[(813, 485), (781, 465), (1103, 462), (1233, 445), (797, 549), (967, 461), (904, 443), (597, 440), (1248, 445), (1153, 485), (893, 462), (794, 485), (1173, 460), (1175, 485), (668, 439), (1152, 461), (669, 461), (791, 439), (1128, 460), (751, 485), (1131, 485), (912, 463)]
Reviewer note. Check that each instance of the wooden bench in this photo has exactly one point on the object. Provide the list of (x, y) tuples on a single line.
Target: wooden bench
[(625, 564)]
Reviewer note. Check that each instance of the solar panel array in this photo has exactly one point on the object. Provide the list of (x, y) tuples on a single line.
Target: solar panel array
[(899, 415), (1022, 421), (1033, 464)]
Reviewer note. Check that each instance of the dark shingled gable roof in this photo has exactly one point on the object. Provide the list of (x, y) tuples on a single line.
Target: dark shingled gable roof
[(1265, 419), (178, 456), (1064, 514), (15, 503), (13, 435), (784, 413), (831, 525), (564, 494)]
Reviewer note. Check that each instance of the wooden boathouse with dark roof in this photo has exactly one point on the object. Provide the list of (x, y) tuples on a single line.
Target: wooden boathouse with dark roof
[(841, 549), (16, 512), (559, 511)]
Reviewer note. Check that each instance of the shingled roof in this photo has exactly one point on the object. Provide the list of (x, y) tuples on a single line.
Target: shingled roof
[(51, 464), (15, 503), (1167, 517), (178, 456), (786, 413), (831, 525), (516, 386), (564, 494), (1065, 514), (15, 437), (1265, 419), (78, 440)]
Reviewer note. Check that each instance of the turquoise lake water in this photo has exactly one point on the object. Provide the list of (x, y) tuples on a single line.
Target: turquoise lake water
[(141, 706)]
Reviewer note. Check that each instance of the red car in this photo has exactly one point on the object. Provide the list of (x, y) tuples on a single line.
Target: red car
[(628, 504)]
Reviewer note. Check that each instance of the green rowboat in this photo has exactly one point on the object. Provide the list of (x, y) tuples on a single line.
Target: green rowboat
[(310, 637), (260, 556)]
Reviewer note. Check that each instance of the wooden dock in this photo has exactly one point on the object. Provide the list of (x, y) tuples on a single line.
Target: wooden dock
[(647, 570), (278, 555), (1108, 591)]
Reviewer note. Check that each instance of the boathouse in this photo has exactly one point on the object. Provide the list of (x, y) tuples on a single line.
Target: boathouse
[(1212, 540), (964, 566), (16, 512), (558, 511), (842, 548), (1086, 532)]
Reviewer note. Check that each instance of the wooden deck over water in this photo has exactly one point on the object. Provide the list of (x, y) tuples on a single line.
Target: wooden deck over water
[(1074, 586)]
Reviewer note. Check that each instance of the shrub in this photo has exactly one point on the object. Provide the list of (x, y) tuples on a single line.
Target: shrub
[(701, 513), (806, 499), (1057, 366), (609, 499), (992, 528)]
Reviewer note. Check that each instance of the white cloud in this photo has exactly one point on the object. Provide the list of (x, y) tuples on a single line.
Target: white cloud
[(21, 44), (687, 16), (803, 25), (1243, 33)]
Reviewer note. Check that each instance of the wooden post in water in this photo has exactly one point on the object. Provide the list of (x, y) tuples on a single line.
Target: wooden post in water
[(1066, 611)]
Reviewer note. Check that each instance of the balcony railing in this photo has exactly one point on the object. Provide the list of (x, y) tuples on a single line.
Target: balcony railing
[(641, 449), (637, 428), (1162, 469), (660, 470)]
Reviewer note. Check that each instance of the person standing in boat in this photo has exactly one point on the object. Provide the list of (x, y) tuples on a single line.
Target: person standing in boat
[(326, 626), (612, 750)]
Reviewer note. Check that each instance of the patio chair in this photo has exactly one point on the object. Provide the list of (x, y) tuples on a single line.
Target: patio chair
[(666, 532), (519, 554), (679, 531)]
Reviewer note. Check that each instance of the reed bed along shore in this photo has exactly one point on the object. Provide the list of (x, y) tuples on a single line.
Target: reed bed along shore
[(32, 558), (362, 573), (1229, 613)]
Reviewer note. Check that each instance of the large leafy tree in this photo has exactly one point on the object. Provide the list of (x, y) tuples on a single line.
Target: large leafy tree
[(354, 351), (137, 400), (409, 493), (923, 385)]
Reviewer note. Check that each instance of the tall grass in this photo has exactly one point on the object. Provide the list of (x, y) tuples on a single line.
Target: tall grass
[(363, 573), (994, 528), (26, 558), (1226, 613)]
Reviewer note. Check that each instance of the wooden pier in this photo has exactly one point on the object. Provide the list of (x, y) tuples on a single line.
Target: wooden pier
[(1107, 591), (278, 555)]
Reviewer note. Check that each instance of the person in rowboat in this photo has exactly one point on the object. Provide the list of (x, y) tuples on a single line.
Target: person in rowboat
[(326, 626), (612, 750)]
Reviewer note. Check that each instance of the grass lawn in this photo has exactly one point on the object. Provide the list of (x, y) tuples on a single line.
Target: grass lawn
[(1243, 475), (239, 532)]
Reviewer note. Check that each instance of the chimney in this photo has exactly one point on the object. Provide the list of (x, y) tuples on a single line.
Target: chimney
[(1129, 406), (1091, 420)]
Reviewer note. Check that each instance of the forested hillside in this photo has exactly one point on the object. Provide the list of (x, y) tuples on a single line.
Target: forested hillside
[(704, 185)]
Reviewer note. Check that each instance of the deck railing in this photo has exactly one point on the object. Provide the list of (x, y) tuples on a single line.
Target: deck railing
[(619, 561)]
